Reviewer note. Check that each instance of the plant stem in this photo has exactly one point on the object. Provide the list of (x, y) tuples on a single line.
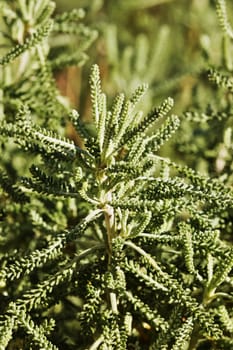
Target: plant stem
[(194, 338)]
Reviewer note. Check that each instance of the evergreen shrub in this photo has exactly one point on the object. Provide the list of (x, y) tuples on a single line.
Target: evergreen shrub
[(115, 221)]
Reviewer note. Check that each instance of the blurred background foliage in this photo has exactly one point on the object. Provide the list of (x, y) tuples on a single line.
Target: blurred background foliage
[(164, 43)]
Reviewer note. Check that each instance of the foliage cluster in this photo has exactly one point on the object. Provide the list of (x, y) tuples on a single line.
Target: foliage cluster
[(108, 239)]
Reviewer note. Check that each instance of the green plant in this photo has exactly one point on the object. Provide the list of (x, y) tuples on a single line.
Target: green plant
[(105, 243)]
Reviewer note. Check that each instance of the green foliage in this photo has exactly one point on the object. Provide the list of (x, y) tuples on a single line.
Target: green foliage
[(105, 241)]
